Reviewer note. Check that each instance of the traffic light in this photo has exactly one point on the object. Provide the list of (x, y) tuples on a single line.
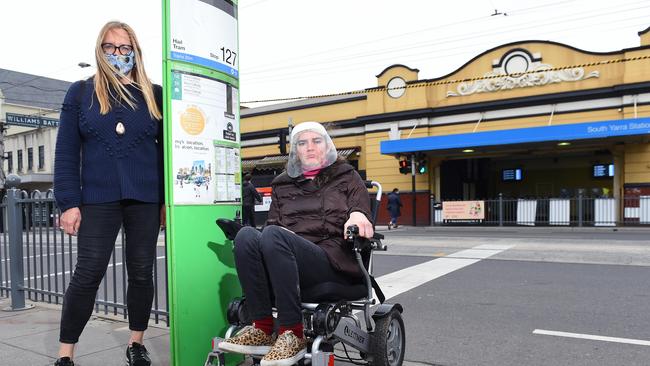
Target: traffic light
[(405, 165), (283, 141), (421, 165)]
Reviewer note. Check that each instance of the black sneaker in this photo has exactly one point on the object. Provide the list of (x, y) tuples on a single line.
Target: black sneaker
[(137, 355), (64, 361)]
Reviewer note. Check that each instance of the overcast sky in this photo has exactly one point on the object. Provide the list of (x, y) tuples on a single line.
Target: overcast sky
[(294, 48)]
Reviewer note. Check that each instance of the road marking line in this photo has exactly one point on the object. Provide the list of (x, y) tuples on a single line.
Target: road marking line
[(480, 252), (409, 278), (31, 257), (592, 337), (68, 272)]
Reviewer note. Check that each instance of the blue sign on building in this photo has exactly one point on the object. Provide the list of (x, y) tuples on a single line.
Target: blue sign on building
[(559, 133), (31, 121)]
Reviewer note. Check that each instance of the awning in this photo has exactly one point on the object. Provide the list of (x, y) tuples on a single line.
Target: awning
[(280, 161), (344, 153), (558, 133), (248, 164)]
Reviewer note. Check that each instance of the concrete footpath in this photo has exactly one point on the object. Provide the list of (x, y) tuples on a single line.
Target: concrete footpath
[(30, 337)]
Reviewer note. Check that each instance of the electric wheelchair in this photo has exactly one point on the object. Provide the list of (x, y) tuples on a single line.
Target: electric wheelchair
[(334, 313)]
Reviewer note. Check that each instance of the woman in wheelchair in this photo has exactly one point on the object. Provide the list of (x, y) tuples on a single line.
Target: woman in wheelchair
[(302, 244)]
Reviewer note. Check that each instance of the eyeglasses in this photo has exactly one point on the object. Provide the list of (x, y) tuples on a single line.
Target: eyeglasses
[(110, 48)]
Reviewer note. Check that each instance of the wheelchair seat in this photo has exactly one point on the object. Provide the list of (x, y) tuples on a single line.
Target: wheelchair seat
[(333, 292)]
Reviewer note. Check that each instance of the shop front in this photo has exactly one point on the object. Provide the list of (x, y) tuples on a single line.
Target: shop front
[(533, 173)]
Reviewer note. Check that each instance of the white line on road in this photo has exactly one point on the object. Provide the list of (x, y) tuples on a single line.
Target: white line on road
[(44, 255), (481, 251), (55, 254), (592, 337), (68, 272), (409, 278)]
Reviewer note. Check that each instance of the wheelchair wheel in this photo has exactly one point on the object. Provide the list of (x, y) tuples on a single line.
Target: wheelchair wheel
[(388, 341)]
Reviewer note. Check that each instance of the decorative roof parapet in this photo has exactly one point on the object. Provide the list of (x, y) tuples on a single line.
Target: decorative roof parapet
[(520, 69)]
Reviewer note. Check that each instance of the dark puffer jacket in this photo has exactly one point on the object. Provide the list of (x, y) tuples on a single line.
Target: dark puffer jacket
[(317, 210)]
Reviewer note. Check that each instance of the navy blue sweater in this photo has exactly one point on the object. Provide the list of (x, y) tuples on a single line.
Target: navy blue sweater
[(93, 164)]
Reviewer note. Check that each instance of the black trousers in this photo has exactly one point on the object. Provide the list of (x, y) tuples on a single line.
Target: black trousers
[(248, 215), (100, 225), (278, 262)]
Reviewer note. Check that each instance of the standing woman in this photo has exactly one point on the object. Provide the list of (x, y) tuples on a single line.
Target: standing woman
[(108, 174)]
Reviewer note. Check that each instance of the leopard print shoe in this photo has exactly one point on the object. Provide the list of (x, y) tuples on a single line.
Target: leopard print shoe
[(287, 350), (248, 341)]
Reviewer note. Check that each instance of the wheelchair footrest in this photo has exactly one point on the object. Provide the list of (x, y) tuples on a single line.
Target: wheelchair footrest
[(217, 356), (321, 358), (220, 356), (215, 344)]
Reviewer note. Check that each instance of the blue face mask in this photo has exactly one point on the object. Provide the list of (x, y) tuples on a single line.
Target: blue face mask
[(122, 63)]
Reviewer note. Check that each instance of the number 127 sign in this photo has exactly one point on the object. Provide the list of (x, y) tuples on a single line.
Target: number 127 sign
[(205, 33)]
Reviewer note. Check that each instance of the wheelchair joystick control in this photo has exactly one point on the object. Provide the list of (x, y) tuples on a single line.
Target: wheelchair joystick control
[(352, 232)]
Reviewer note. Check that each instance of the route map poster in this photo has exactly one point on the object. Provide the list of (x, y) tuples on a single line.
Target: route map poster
[(205, 125)]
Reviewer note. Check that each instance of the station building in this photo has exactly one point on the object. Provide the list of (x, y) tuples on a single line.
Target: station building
[(29, 116), (524, 120)]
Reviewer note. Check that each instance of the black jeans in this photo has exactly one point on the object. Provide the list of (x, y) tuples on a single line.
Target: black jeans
[(279, 261), (100, 224)]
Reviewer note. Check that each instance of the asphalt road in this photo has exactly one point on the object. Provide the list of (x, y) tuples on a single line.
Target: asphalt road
[(530, 296), (552, 298), (486, 314)]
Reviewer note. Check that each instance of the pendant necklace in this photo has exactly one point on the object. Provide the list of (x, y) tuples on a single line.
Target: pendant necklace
[(119, 128)]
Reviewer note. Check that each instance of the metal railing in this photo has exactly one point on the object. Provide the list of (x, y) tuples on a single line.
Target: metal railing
[(574, 211), (29, 231)]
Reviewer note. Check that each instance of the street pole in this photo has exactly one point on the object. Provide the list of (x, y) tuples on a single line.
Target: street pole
[(2, 143), (287, 139), (413, 187), (15, 229)]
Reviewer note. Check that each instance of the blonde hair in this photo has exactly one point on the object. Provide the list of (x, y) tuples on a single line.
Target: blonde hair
[(106, 82)]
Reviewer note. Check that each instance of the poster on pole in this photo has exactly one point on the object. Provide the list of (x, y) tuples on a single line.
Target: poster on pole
[(205, 130)]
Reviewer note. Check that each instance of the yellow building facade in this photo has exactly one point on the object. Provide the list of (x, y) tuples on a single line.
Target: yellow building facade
[(526, 119)]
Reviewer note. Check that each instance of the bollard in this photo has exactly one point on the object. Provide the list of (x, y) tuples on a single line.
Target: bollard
[(432, 208), (15, 230), (500, 209), (580, 207)]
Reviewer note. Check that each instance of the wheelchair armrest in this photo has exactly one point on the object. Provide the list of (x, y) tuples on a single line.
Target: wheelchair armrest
[(361, 243), (229, 227), (378, 245)]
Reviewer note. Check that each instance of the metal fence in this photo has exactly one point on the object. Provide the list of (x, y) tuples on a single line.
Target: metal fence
[(29, 231), (576, 211)]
